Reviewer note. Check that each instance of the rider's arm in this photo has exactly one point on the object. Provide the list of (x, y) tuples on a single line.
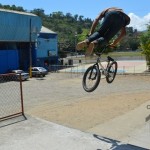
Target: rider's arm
[(96, 21), (122, 34)]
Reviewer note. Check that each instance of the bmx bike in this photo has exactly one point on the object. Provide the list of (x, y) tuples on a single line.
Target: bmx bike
[(92, 75)]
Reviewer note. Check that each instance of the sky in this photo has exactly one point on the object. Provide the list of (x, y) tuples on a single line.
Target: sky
[(138, 10)]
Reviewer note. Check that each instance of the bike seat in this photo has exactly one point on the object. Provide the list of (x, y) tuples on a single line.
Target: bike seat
[(109, 58)]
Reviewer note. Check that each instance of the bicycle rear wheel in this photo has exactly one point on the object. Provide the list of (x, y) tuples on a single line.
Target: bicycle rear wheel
[(111, 72), (91, 78)]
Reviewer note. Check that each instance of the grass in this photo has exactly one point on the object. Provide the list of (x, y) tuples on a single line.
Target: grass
[(116, 54)]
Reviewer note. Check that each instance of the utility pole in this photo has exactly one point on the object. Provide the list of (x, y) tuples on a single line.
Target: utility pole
[(30, 51), (75, 43)]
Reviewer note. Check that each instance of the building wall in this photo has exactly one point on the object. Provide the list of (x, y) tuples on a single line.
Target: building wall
[(8, 60), (16, 55), (16, 26), (17, 30), (47, 49)]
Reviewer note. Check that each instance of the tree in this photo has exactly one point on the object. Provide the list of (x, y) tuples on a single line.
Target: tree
[(133, 43), (39, 12), (76, 17), (145, 45)]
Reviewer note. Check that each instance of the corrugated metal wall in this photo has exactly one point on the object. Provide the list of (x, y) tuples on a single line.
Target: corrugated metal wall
[(16, 26), (8, 60), (47, 49)]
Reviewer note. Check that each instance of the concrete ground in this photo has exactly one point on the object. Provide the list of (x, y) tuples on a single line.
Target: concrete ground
[(38, 134), (112, 117)]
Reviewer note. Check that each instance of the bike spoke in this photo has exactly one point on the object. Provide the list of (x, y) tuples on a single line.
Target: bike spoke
[(112, 69), (90, 81)]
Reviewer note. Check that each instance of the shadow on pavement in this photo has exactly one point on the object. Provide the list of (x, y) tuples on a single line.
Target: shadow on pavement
[(12, 120), (117, 145)]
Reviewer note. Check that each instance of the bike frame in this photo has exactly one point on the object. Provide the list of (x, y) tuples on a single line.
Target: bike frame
[(101, 67), (94, 72), (99, 64)]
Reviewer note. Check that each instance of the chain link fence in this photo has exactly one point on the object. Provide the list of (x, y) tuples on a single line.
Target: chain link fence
[(11, 98), (78, 64), (81, 68)]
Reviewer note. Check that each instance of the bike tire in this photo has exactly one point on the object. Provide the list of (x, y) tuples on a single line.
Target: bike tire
[(111, 72), (91, 75)]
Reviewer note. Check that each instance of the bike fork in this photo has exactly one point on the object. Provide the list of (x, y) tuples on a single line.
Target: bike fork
[(94, 66)]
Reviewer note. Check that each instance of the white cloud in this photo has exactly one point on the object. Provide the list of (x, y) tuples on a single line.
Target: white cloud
[(139, 23)]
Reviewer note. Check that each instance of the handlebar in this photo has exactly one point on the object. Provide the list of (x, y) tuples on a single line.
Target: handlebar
[(103, 49), (100, 53)]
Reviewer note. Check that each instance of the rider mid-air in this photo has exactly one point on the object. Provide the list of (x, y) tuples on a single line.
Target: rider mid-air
[(114, 20)]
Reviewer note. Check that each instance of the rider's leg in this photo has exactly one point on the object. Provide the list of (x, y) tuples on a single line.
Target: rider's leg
[(85, 43), (91, 48), (101, 42)]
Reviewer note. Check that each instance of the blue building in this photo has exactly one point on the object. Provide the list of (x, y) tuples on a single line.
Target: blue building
[(17, 31), (24, 42), (47, 48)]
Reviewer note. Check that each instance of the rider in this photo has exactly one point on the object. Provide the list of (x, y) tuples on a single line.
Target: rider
[(114, 20)]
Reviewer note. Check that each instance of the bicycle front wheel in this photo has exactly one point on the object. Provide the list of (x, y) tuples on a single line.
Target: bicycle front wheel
[(91, 78), (111, 72)]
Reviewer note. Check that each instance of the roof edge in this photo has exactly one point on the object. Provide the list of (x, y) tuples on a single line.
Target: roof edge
[(17, 12)]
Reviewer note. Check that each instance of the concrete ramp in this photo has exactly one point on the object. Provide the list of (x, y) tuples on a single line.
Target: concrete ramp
[(37, 134)]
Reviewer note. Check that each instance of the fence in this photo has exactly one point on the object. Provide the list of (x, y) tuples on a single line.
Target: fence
[(124, 67), (11, 97)]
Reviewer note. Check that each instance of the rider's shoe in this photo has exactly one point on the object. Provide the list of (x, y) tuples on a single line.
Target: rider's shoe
[(81, 45)]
